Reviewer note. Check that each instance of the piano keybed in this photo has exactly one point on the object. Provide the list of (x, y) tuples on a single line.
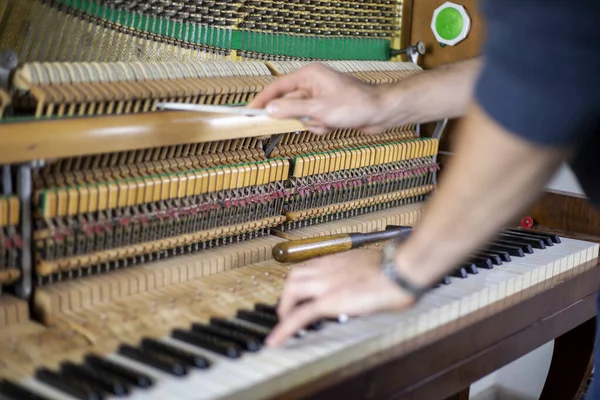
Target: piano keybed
[(220, 318)]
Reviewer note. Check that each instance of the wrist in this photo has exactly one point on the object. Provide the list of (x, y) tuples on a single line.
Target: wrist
[(419, 274), (392, 107), (400, 275)]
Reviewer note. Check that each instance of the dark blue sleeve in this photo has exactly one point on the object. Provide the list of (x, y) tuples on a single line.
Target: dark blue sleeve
[(541, 72)]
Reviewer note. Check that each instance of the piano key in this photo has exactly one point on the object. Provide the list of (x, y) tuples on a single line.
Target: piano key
[(494, 258), (166, 385), (470, 268), (266, 308), (545, 239), (504, 256), (44, 390), (315, 326), (525, 248), (68, 386), (237, 325), (93, 379), (153, 360), (514, 251), (193, 360), (131, 376), (13, 391), (482, 262), (208, 342), (535, 243), (247, 342), (460, 273), (221, 379), (269, 321), (554, 237)]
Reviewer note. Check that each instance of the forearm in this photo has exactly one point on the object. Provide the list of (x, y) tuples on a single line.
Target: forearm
[(443, 92), (492, 178)]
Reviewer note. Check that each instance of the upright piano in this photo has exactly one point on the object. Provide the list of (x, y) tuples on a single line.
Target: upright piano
[(136, 257)]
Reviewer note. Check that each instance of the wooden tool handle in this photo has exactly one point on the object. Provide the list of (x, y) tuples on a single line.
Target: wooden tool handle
[(303, 249), (318, 246)]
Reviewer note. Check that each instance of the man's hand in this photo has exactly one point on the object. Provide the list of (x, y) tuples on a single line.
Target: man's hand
[(333, 100), (348, 283), (329, 99)]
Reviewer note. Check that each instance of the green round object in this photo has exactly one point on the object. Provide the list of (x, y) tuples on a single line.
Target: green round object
[(449, 23)]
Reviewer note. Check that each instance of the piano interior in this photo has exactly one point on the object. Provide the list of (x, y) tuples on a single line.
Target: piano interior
[(136, 251)]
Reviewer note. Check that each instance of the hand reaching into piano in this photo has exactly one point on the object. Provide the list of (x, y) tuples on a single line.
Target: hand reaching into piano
[(331, 100), (348, 283), (327, 98)]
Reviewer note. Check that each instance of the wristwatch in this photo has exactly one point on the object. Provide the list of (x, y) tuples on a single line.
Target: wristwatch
[(390, 270)]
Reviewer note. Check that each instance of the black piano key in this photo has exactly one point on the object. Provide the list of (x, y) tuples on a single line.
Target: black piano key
[(231, 324), (165, 364), (259, 318), (108, 367), (245, 341), (460, 273), (93, 379), (191, 359), (526, 248), (504, 256), (494, 258), (266, 308), (554, 237), (208, 342), (535, 243), (471, 268), (546, 240), (482, 262), (13, 391), (446, 280), (315, 326), (61, 383), (511, 250)]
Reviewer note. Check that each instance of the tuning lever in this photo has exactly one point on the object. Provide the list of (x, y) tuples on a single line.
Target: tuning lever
[(318, 246)]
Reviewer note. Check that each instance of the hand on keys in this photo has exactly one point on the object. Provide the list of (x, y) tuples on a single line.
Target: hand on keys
[(348, 283)]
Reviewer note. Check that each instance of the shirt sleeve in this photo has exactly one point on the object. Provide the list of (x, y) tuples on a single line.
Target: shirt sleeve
[(541, 69)]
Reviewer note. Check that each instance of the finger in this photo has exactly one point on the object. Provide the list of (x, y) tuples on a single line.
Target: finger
[(296, 108), (279, 88), (316, 267), (298, 291), (298, 94), (301, 317)]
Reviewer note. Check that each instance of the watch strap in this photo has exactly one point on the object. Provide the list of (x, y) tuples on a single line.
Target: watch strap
[(390, 270)]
